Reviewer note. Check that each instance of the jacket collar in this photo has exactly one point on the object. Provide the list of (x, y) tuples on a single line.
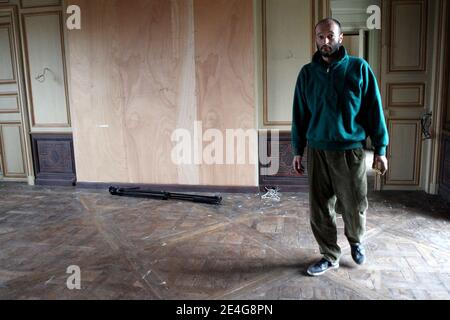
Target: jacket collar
[(342, 57)]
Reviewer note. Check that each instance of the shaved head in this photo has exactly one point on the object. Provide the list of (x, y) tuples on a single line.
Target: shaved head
[(329, 21)]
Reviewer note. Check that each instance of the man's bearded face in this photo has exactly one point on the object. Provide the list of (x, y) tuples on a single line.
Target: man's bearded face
[(328, 39), (328, 50)]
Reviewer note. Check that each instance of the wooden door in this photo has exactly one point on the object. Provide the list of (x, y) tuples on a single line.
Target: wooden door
[(407, 89), (444, 161), (12, 140)]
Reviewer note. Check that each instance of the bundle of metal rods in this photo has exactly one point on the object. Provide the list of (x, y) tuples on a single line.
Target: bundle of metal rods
[(163, 195)]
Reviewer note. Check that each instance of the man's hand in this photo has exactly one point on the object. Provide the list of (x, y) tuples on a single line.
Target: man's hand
[(380, 164), (297, 164)]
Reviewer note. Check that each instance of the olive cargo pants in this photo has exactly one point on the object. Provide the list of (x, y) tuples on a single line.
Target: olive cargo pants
[(338, 184)]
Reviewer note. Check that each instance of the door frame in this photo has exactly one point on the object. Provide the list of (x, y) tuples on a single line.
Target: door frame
[(442, 126), (441, 77), (18, 55), (428, 176)]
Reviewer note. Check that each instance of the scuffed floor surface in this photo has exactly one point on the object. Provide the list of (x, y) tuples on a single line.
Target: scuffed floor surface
[(246, 248)]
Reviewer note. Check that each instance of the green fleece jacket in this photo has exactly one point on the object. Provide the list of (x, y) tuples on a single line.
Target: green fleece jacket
[(337, 106)]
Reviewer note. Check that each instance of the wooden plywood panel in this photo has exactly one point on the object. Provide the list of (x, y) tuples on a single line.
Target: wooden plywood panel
[(132, 84), (408, 31), (96, 103), (186, 100), (46, 70), (225, 79), (140, 70), (7, 74), (287, 33), (404, 152), (160, 95), (12, 152)]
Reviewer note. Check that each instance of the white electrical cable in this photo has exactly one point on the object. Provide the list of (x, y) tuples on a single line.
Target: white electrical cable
[(272, 194)]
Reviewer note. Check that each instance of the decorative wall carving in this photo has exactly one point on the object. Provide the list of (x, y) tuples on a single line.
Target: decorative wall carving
[(54, 159), (286, 179)]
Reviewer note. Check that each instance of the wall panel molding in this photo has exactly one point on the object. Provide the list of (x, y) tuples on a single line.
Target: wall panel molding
[(410, 95), (11, 147), (26, 4), (407, 19), (278, 63), (13, 114), (54, 69), (9, 102), (404, 153), (7, 56)]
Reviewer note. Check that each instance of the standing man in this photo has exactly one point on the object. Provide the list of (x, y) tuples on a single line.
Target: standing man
[(337, 105)]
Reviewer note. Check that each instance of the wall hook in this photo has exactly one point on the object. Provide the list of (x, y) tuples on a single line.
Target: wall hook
[(41, 77)]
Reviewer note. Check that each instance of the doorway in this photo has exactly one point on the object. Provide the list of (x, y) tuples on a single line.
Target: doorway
[(444, 162), (13, 125)]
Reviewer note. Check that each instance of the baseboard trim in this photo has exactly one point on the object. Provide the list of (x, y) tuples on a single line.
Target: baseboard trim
[(171, 187), (54, 182)]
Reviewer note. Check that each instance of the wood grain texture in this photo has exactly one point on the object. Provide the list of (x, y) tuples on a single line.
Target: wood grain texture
[(134, 78), (225, 78), (186, 98), (129, 249)]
